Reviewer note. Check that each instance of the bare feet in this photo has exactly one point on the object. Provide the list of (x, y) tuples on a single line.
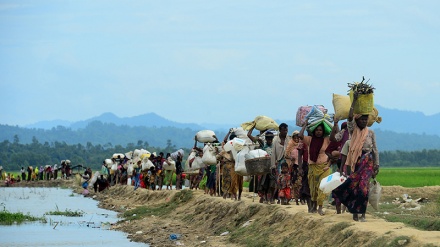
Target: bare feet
[(355, 217), (320, 212), (362, 218)]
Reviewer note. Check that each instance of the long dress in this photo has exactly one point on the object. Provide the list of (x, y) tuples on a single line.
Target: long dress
[(353, 193), (210, 184)]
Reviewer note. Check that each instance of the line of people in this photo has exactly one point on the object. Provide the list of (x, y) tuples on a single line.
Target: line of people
[(154, 178), (298, 164)]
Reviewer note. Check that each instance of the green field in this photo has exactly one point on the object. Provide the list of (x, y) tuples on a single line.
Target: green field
[(409, 177)]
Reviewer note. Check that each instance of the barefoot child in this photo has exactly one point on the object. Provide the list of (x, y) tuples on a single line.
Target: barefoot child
[(284, 184)]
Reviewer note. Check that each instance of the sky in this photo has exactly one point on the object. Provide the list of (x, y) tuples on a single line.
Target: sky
[(212, 61)]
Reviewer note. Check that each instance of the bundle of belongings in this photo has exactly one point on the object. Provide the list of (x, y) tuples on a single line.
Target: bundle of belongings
[(364, 104), (317, 117), (261, 123)]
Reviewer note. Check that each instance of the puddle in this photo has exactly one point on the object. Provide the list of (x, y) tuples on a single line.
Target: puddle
[(91, 229)]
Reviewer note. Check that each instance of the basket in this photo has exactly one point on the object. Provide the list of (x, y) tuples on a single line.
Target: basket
[(258, 166)]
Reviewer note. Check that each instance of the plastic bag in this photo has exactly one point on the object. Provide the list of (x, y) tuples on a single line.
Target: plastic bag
[(374, 193), (94, 178), (171, 166), (189, 160), (146, 164), (176, 153), (197, 163), (257, 153), (208, 157), (240, 132), (205, 136), (240, 165)]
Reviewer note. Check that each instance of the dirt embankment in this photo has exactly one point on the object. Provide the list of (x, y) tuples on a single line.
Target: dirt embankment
[(202, 220)]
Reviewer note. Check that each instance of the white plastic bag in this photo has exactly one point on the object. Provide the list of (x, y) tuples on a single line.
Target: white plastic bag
[(208, 157), (118, 156), (240, 132), (171, 166), (374, 193), (146, 164), (176, 153), (197, 163), (189, 160), (240, 166), (205, 136), (257, 153), (94, 178), (238, 143), (108, 162), (130, 169), (114, 167)]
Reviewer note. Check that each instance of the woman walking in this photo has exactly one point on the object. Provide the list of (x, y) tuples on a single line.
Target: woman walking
[(318, 161), (363, 158)]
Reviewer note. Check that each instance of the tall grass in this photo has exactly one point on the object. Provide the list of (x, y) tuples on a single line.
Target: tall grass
[(8, 218)]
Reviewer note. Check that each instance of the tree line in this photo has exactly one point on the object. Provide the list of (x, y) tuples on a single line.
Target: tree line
[(108, 133), (14, 155)]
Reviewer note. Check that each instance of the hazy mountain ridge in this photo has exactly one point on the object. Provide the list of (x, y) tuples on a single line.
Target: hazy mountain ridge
[(393, 120), (417, 130)]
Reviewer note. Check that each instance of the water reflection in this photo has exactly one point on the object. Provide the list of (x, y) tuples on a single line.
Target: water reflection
[(91, 229)]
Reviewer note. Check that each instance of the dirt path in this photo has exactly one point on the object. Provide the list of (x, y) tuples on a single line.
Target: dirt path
[(201, 219)]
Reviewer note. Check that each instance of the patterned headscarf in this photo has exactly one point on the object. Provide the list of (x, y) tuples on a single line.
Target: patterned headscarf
[(357, 142)]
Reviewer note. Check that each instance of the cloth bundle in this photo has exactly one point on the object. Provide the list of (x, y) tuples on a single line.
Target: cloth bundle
[(303, 111), (261, 123), (176, 153), (317, 117), (205, 136)]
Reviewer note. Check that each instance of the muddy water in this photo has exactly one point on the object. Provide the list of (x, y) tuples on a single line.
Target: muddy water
[(92, 229)]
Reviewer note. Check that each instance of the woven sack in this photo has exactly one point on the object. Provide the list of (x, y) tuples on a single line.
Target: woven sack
[(364, 104), (341, 104)]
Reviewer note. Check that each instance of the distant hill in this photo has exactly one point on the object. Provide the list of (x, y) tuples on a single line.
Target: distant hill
[(393, 120), (399, 130), (145, 120), (408, 122), (109, 134)]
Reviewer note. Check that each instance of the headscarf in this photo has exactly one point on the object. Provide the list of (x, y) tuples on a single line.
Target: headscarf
[(315, 147), (357, 142), (292, 146)]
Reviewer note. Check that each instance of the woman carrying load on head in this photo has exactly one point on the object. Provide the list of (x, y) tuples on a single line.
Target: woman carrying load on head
[(318, 160), (266, 183), (211, 173), (230, 179), (363, 158)]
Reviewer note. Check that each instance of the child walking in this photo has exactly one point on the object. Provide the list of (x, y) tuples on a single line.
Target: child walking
[(284, 184)]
